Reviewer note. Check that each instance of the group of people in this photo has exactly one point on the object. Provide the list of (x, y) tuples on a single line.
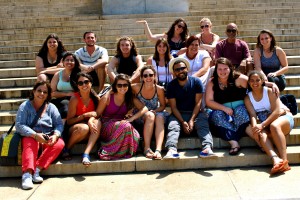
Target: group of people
[(201, 78)]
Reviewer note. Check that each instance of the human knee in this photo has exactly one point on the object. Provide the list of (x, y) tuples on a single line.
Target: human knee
[(42, 77), (149, 116)]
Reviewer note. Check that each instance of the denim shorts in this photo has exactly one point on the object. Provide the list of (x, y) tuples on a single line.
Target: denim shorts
[(290, 118)]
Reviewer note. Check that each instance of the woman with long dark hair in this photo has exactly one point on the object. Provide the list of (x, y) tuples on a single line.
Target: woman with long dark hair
[(82, 110), (119, 139), (48, 59), (176, 35)]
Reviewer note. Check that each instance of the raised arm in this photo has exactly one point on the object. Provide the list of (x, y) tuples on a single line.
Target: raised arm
[(150, 36)]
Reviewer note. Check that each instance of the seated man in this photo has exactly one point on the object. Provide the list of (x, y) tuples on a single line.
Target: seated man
[(185, 94), (93, 59), (235, 50)]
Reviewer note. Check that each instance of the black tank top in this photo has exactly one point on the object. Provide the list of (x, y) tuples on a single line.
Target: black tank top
[(229, 94), (127, 65)]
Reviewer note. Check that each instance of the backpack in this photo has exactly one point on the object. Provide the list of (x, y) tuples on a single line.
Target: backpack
[(290, 101)]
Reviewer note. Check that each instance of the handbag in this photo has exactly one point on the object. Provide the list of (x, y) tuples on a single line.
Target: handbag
[(11, 150), (11, 145)]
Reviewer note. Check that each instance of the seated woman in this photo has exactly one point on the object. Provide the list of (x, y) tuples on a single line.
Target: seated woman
[(40, 124), (48, 60), (199, 61), (126, 61), (119, 139), (176, 35), (270, 59), (225, 95), (152, 95), (275, 121), (82, 110), (160, 61), (61, 83), (208, 39)]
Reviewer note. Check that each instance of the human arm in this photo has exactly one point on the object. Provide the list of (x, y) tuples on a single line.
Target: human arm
[(55, 93), (205, 65), (136, 75), (161, 99), (191, 122), (41, 69), (149, 60), (257, 62), (150, 36), (211, 103), (255, 127), (177, 114), (111, 68), (212, 46), (283, 63), (142, 109)]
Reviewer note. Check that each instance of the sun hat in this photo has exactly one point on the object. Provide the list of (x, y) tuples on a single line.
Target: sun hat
[(172, 61)]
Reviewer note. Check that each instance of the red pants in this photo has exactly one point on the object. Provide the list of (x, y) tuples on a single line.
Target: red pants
[(30, 151)]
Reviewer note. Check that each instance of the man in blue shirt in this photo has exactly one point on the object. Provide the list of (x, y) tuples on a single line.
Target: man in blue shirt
[(184, 94)]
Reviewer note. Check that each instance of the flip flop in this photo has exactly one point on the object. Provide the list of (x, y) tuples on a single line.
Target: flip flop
[(277, 168), (157, 155), (285, 166), (234, 151), (149, 153)]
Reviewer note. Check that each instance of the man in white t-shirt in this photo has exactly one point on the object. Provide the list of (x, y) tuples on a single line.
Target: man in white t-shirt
[(93, 59)]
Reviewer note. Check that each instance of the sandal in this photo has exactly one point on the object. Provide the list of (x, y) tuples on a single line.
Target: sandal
[(277, 168), (285, 166), (148, 153), (234, 151), (86, 160), (66, 154), (157, 155)]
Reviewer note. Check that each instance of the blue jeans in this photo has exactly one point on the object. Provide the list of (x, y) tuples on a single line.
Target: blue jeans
[(201, 126)]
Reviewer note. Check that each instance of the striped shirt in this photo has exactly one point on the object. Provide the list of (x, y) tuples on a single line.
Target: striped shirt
[(87, 59)]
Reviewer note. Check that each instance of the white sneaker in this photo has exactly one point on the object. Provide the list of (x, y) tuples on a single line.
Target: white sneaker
[(36, 176), (27, 181), (171, 154)]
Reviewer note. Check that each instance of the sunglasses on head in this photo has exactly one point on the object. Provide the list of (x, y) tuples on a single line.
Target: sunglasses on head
[(205, 26), (179, 69), (119, 85), (180, 26), (148, 75), (231, 31), (80, 83)]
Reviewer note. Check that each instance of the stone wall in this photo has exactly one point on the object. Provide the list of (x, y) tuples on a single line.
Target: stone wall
[(119, 7)]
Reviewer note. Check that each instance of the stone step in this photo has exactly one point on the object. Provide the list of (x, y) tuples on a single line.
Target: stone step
[(17, 92), (189, 159), (17, 72), (17, 82), (292, 60), (293, 70), (292, 79), (10, 104)]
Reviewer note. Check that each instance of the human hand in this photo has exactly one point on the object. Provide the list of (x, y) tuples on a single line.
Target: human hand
[(228, 111), (191, 125), (52, 139), (272, 75), (92, 123), (185, 127), (142, 22)]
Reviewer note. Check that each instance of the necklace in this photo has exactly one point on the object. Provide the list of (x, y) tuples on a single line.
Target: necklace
[(222, 86)]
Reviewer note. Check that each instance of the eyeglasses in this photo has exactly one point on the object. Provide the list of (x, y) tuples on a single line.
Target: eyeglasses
[(180, 26), (231, 31), (69, 60), (80, 83), (119, 85), (179, 69), (41, 91), (148, 75), (205, 26)]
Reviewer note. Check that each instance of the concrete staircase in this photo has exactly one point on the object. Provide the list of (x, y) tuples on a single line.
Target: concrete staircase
[(25, 24)]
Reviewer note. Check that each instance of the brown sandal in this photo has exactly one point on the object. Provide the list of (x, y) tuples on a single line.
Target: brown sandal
[(148, 153)]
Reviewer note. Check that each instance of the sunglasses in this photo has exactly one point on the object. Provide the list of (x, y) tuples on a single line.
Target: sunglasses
[(80, 83), (148, 75), (41, 91), (180, 26), (231, 31), (179, 69), (205, 26), (119, 85)]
